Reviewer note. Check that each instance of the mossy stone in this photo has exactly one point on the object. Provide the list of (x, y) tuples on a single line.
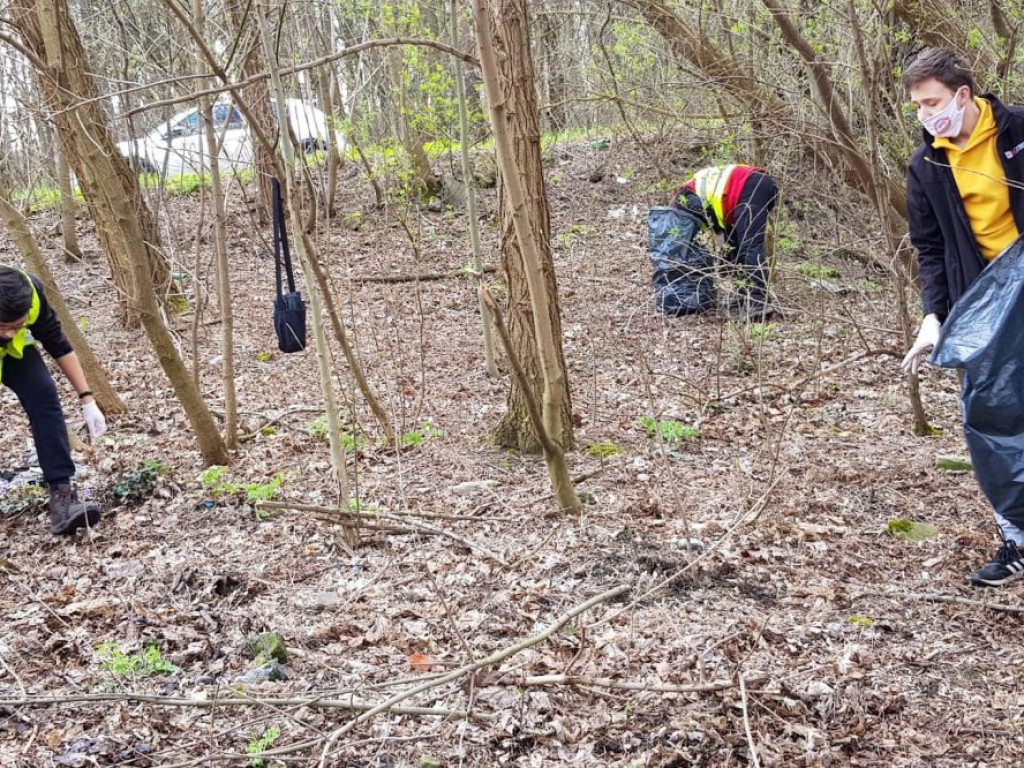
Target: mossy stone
[(953, 464), (268, 646), (353, 220), (909, 530)]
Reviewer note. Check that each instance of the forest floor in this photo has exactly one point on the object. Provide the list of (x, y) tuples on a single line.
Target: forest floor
[(768, 617)]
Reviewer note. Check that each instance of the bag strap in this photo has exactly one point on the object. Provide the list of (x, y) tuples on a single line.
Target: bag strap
[(282, 253)]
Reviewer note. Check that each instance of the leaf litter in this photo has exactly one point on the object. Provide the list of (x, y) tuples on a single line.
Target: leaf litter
[(757, 550)]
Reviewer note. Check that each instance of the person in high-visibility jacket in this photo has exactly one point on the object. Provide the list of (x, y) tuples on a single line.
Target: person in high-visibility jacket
[(737, 201), (27, 321)]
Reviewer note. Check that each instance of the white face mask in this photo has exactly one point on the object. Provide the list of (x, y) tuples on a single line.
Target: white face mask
[(948, 121)]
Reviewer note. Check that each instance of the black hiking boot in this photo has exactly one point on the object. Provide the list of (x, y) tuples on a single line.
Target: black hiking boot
[(67, 513), (1006, 566), (753, 308)]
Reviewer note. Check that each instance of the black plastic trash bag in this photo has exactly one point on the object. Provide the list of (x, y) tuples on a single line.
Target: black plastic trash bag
[(984, 335), (683, 267), (289, 310)]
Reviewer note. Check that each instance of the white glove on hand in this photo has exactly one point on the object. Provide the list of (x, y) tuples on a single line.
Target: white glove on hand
[(94, 420), (927, 338)]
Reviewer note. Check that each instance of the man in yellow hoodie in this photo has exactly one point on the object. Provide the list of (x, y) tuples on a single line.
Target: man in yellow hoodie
[(965, 207)]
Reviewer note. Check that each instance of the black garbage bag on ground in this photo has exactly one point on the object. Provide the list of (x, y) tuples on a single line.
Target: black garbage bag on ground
[(683, 267), (984, 336)]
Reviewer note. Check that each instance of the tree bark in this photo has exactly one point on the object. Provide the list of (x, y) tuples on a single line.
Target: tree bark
[(68, 209), (549, 421), (220, 251), (412, 140), (124, 223), (518, 112)]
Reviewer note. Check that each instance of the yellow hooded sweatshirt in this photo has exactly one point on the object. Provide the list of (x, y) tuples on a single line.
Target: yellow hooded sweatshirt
[(982, 184)]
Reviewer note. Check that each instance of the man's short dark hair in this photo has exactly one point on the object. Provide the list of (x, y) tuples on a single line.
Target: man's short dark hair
[(948, 67), (15, 295)]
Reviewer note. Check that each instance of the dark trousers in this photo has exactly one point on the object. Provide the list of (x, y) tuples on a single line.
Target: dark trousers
[(29, 379), (746, 237)]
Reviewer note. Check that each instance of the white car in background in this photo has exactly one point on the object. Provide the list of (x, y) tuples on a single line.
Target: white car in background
[(179, 146)]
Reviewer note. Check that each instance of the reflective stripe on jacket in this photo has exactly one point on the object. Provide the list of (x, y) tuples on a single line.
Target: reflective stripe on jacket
[(23, 338), (709, 184)]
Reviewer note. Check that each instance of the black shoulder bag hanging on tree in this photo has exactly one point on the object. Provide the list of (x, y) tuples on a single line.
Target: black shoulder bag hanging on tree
[(289, 311)]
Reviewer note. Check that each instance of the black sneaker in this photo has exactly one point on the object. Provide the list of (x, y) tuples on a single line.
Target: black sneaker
[(1006, 566), (754, 310)]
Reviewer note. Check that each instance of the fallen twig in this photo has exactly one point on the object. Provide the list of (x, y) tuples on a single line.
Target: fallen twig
[(396, 514), (622, 685), (754, 760), (167, 701), (413, 278), (336, 512), (935, 597), (495, 658)]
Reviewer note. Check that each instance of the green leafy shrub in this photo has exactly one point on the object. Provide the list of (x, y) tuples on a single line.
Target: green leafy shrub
[(24, 499), (215, 483), (264, 491), (139, 484), (909, 530), (762, 331)]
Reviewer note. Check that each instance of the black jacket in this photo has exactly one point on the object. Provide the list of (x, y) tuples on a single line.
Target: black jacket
[(46, 330), (948, 256)]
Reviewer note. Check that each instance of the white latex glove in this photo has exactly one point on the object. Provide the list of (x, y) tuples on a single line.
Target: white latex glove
[(94, 420), (927, 338)]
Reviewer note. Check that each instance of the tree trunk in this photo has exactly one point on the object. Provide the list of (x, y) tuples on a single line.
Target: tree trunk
[(110, 188), (471, 211), (68, 209), (220, 251), (34, 260), (548, 422), (123, 220), (519, 103), (412, 140)]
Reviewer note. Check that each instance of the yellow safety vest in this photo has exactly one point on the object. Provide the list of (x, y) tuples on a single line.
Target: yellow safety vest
[(709, 184), (23, 338)]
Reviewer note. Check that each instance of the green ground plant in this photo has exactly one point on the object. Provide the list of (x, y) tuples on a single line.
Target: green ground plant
[(262, 744), (138, 484), (425, 432), (602, 450), (146, 663), (669, 431), (817, 271), (762, 331)]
